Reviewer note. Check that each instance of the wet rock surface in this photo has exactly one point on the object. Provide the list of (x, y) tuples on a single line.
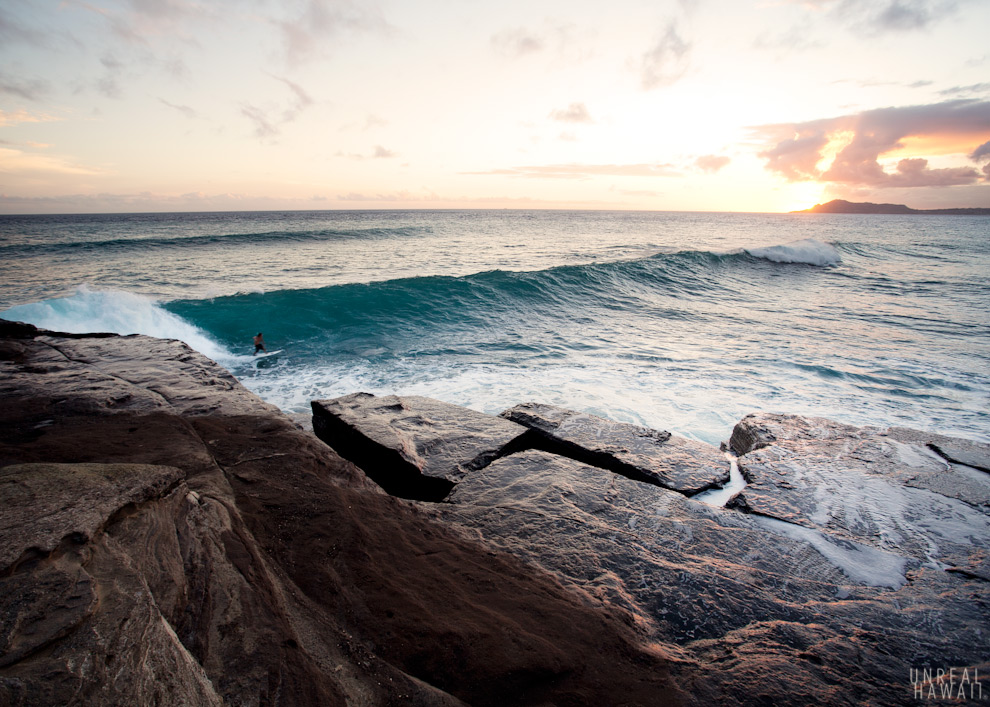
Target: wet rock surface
[(225, 556), (640, 453), (884, 488), (851, 558), (413, 447)]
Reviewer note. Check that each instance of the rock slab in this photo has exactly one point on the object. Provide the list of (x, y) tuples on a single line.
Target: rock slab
[(413, 447), (640, 453)]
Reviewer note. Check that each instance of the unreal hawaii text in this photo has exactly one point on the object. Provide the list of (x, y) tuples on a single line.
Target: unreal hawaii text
[(957, 684)]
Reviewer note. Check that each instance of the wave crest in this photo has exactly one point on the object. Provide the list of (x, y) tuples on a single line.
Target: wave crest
[(807, 251), (88, 310)]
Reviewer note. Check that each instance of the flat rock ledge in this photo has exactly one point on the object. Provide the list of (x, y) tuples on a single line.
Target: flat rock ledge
[(413, 447), (852, 559), (420, 448), (642, 454)]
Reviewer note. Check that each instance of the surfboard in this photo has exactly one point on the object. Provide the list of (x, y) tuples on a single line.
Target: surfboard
[(266, 358)]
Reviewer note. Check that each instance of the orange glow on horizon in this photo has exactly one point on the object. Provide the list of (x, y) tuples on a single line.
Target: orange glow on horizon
[(933, 145)]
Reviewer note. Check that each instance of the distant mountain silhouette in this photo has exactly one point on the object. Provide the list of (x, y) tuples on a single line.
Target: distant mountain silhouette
[(841, 206)]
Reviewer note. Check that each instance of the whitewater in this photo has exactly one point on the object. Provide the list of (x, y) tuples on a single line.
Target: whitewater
[(677, 321)]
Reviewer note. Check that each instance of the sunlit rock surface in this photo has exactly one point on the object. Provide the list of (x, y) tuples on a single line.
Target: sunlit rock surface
[(640, 453), (414, 447), (852, 557)]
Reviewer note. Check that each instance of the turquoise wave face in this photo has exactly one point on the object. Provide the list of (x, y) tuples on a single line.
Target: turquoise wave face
[(639, 309)]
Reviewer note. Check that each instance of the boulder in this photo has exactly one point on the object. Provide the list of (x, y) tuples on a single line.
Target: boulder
[(637, 452), (413, 447)]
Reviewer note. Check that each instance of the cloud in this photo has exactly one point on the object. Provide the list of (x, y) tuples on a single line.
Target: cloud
[(795, 39), (517, 42), (583, 171), (855, 144), (574, 113), (914, 172), (28, 89), (668, 60), (301, 100), (711, 164), (382, 153), (972, 88), (306, 35), (264, 127), (185, 110), (8, 118), (18, 162), (874, 17), (560, 41), (374, 121), (13, 30), (981, 153)]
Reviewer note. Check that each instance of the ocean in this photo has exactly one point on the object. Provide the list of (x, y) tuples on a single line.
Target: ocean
[(677, 321)]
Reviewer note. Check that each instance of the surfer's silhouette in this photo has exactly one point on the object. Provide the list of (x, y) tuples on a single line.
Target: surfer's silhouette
[(259, 344)]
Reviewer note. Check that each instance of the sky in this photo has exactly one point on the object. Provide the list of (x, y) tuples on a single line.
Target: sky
[(683, 105)]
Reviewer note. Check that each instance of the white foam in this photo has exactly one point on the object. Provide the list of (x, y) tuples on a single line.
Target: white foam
[(807, 251), (88, 310), (860, 563), (718, 497)]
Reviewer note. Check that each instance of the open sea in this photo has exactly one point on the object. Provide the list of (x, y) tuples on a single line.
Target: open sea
[(677, 321)]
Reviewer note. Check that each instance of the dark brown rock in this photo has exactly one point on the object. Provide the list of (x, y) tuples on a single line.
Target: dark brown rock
[(270, 571), (413, 447), (637, 452)]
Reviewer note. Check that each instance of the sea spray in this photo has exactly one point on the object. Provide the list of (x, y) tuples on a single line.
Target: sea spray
[(807, 251), (118, 312)]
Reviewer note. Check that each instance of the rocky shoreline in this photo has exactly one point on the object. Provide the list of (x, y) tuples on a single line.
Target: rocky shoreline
[(169, 538)]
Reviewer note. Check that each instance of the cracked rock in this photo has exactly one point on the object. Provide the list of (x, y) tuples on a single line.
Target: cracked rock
[(638, 452)]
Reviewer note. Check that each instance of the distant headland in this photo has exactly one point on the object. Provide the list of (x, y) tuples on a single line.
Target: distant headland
[(841, 206)]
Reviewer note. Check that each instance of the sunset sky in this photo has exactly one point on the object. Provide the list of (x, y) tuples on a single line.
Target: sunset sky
[(721, 105)]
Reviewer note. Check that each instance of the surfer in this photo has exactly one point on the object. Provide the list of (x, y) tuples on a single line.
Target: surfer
[(259, 344)]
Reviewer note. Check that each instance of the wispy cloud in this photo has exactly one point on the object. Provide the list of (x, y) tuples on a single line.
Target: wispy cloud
[(264, 127), (874, 17), (305, 35), (28, 89), (379, 152), (22, 116), (268, 121), (798, 38), (18, 162), (517, 42), (574, 113), (183, 109), (301, 100), (855, 144), (710, 164), (583, 171), (979, 88), (667, 61), (559, 41)]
